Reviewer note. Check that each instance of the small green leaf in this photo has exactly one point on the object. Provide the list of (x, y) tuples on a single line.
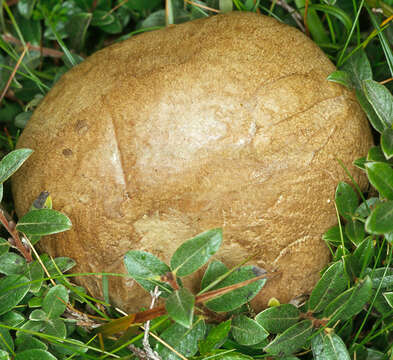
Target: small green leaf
[(35, 302), (291, 340), (360, 163), (114, 27), (364, 253), (380, 220), (363, 353), (234, 299), (389, 298), (375, 154), (180, 307), (12, 291), (381, 277), (214, 270), (34, 354), (351, 265), (4, 246), (71, 349), (30, 326), (332, 283), (247, 331), (340, 252), (4, 355), (102, 18), (364, 211), (183, 340), (43, 222), (381, 305), (27, 342), (329, 347), (387, 143), (22, 119), (35, 273), (380, 176), (215, 338), (154, 20), (341, 77), (12, 162), (346, 200), (358, 67), (142, 5), (38, 315), (194, 253), (55, 327), (225, 6), (26, 7), (147, 270), (354, 230), (76, 27), (61, 264), (277, 319), (389, 237), (380, 99), (32, 33), (12, 318), (6, 341), (11, 263), (350, 302), (333, 236), (375, 121), (55, 301)]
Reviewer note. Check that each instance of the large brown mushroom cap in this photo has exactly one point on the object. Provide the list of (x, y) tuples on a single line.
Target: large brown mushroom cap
[(222, 122)]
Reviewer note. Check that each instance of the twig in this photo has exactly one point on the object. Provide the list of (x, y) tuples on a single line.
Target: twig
[(13, 74), (149, 351), (295, 15), (10, 227), (44, 51)]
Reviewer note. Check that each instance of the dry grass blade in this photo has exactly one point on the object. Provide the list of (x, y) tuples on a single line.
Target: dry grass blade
[(202, 6), (13, 74), (386, 81)]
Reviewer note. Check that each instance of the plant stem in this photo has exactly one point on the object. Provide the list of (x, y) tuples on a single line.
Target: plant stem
[(15, 236)]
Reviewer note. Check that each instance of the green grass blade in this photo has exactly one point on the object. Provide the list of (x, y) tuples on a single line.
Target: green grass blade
[(383, 39), (354, 25)]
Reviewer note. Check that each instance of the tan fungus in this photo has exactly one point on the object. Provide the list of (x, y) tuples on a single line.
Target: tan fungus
[(223, 122)]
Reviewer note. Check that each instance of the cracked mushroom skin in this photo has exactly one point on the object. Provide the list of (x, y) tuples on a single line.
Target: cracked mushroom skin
[(223, 122)]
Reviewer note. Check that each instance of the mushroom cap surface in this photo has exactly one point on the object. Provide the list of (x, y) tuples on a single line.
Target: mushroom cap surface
[(223, 122)]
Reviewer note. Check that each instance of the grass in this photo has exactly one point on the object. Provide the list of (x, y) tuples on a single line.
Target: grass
[(350, 311)]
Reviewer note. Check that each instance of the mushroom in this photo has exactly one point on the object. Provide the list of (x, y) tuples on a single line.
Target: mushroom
[(227, 121)]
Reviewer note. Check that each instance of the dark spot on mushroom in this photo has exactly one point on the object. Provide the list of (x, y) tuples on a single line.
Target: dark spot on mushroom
[(81, 127), (67, 152)]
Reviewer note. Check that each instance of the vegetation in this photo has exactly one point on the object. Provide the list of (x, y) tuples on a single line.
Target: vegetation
[(349, 314)]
